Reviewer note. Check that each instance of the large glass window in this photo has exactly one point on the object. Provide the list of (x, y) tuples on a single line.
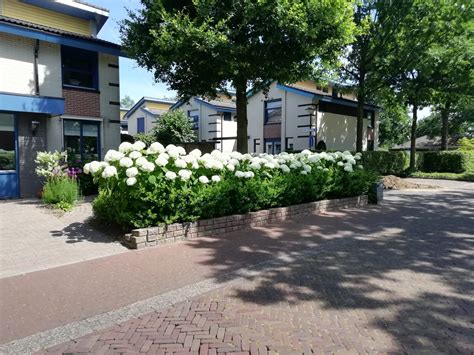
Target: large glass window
[(273, 146), (7, 142), (141, 125), (79, 67), (194, 118), (82, 140), (273, 111)]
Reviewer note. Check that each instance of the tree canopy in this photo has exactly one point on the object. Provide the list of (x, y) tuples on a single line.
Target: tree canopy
[(200, 46)]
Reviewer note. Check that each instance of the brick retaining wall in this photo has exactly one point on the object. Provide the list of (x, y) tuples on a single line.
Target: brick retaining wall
[(147, 237)]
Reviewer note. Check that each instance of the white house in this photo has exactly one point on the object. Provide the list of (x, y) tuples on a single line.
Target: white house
[(213, 120), (142, 117), (59, 87), (306, 115)]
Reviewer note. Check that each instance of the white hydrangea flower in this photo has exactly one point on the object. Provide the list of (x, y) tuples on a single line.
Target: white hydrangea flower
[(86, 168), (306, 152), (170, 175), (138, 146), (180, 163), (109, 172), (94, 166), (348, 168), (358, 156), (125, 147), (216, 178), (284, 168), (173, 153), (230, 167), (131, 181), (181, 150), (307, 168), (131, 172), (135, 154), (203, 179), (239, 174), (249, 174), (270, 165), (170, 147), (161, 161), (218, 165), (113, 155), (360, 167), (185, 174), (189, 159), (126, 162), (149, 167), (304, 172), (325, 170), (195, 153), (234, 162), (141, 161), (255, 166), (195, 165), (340, 163), (319, 167), (156, 148), (236, 155)]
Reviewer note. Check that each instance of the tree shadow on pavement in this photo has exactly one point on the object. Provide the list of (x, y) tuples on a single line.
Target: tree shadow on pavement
[(408, 263)]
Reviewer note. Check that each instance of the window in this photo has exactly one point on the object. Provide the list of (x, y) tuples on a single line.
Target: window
[(7, 142), (194, 118), (140, 125), (82, 140), (227, 116), (273, 146), (79, 68), (256, 142), (273, 111)]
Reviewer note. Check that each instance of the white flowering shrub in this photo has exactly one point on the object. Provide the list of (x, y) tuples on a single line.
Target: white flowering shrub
[(144, 186)]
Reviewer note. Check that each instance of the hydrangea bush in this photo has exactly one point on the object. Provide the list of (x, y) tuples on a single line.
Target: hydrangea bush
[(144, 186)]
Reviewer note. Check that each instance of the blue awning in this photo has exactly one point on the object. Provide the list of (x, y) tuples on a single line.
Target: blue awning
[(35, 104)]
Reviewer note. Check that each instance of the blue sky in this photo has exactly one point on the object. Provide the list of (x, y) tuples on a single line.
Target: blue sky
[(134, 81)]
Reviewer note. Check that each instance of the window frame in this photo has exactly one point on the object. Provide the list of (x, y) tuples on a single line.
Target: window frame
[(140, 120), (194, 118), (91, 56), (265, 111), (81, 136)]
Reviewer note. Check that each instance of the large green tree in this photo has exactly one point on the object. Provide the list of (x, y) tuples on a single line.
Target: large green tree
[(454, 69), (410, 66), (200, 46), (377, 26)]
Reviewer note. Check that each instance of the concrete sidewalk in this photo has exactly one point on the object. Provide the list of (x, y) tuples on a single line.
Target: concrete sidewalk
[(404, 263), (34, 237)]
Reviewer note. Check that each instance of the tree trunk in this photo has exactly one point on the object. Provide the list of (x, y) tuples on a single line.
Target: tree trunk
[(413, 138), (360, 124), (444, 126), (241, 96)]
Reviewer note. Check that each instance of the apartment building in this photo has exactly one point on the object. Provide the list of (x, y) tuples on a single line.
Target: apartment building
[(59, 87), (307, 115)]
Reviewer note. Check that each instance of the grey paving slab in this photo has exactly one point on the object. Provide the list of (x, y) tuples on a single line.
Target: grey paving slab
[(33, 237)]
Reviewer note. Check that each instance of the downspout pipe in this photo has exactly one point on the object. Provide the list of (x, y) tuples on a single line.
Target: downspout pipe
[(36, 75)]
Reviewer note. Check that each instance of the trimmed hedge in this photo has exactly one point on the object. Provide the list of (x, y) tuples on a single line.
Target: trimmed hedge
[(446, 162), (385, 162)]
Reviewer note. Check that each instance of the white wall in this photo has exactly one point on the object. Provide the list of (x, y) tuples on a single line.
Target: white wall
[(337, 131), (109, 112), (209, 122), (150, 121), (17, 66)]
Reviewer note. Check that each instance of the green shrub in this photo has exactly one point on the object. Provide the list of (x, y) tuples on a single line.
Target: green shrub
[(385, 162), (61, 192), (142, 187), (466, 144), (446, 161)]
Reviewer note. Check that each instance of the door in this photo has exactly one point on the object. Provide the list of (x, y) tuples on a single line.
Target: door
[(9, 185), (82, 141), (272, 146)]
